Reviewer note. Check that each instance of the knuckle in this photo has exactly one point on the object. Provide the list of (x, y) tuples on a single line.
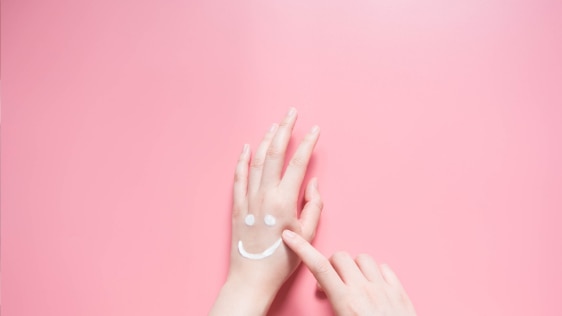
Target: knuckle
[(239, 177), (257, 163), (274, 152), (298, 161), (239, 174), (284, 124), (321, 266)]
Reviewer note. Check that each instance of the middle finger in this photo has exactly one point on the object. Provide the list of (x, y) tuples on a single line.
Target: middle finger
[(275, 156)]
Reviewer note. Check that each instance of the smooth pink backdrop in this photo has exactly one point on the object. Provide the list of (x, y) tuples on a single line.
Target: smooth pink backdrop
[(440, 154)]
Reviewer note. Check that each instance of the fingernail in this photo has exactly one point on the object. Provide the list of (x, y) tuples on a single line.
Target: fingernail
[(315, 129), (292, 112), (288, 234), (273, 128), (315, 183), (245, 151)]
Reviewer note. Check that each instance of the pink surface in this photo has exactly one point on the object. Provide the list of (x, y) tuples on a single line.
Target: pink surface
[(440, 154)]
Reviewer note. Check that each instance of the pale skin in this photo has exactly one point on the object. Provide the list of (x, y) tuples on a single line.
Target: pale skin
[(354, 286)]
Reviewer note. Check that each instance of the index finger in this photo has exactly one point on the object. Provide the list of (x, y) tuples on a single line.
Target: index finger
[(319, 265)]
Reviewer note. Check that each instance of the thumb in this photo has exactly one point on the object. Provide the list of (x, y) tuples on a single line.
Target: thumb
[(319, 265)]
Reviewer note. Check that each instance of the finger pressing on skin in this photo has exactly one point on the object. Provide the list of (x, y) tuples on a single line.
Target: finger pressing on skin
[(369, 268), (346, 268), (296, 169), (275, 156), (256, 166), (316, 262), (240, 186), (310, 215)]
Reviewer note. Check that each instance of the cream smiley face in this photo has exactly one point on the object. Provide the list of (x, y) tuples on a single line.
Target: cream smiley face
[(268, 220)]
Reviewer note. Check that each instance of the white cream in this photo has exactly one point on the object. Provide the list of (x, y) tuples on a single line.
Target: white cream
[(256, 256), (269, 220), (250, 220)]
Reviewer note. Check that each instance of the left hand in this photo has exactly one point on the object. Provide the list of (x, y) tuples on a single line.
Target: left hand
[(264, 204)]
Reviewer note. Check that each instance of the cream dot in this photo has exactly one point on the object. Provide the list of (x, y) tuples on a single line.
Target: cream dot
[(269, 220), (250, 220)]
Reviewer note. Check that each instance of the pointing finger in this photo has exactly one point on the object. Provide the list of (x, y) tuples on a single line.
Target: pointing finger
[(316, 262)]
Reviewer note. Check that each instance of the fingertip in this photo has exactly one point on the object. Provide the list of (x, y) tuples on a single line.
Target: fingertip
[(314, 183), (288, 235), (315, 129), (389, 275), (385, 267), (292, 112), (290, 117), (312, 189)]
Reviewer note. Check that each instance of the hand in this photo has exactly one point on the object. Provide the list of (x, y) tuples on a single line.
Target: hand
[(264, 204), (354, 287)]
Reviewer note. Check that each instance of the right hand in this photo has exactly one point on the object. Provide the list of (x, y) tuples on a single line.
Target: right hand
[(354, 287)]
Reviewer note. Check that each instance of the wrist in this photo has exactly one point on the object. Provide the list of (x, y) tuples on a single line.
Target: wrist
[(258, 291), (238, 297)]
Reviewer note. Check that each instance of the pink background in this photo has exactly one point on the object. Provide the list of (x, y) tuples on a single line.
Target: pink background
[(440, 154)]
